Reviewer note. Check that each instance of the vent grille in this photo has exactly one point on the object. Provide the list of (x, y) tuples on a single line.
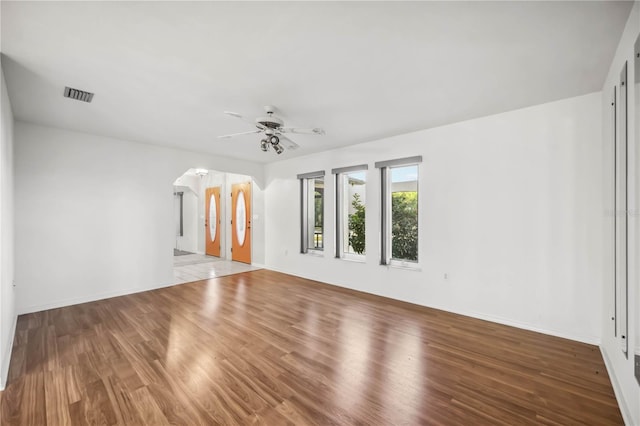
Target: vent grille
[(78, 95)]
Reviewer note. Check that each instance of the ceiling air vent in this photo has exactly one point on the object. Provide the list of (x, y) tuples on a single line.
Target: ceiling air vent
[(78, 95)]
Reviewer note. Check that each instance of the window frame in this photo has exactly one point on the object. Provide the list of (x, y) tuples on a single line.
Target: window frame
[(385, 210), (340, 173), (304, 211)]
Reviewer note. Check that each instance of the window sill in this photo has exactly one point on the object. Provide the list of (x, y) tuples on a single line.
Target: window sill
[(407, 266), (353, 258), (316, 253)]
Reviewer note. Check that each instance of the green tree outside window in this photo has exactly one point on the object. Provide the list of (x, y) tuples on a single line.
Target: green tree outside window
[(404, 226), (356, 225)]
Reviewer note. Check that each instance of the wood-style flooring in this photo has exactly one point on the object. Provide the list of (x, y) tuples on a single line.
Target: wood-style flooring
[(267, 348)]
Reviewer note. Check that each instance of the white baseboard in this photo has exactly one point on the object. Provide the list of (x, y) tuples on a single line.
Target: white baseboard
[(94, 297), (6, 358), (591, 340), (271, 268), (91, 298), (622, 403)]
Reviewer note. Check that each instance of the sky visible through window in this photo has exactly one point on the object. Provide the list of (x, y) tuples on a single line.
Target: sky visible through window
[(404, 174), (358, 175)]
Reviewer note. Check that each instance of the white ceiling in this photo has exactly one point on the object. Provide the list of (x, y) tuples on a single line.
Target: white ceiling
[(164, 72)]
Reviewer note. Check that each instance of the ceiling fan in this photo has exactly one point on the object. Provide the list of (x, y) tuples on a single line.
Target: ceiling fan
[(273, 129)]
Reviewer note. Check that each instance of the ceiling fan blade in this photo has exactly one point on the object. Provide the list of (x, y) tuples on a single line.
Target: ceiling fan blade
[(314, 131), (288, 143), (239, 134), (246, 120)]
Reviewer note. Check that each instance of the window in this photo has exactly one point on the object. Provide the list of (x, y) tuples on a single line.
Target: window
[(399, 224), (404, 213), (312, 211), (350, 211)]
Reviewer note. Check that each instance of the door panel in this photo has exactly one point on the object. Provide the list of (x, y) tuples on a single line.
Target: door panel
[(212, 221), (241, 222)]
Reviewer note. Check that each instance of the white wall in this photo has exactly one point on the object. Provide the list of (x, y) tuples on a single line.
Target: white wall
[(94, 215), (8, 315), (510, 210), (621, 368)]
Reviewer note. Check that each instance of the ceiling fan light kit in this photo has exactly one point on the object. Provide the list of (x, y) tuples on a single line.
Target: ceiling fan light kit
[(273, 128)]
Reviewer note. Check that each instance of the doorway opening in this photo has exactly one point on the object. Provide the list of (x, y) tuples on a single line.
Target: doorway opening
[(213, 215), (213, 232)]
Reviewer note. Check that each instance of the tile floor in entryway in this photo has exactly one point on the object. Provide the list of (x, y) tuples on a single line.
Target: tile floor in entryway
[(195, 267)]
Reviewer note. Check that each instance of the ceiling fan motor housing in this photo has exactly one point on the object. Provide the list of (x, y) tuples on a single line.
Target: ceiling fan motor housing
[(270, 122)]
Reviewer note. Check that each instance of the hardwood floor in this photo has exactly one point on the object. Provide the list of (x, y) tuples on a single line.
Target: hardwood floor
[(267, 348)]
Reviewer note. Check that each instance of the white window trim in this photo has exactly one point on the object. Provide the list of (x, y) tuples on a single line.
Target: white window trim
[(304, 212), (339, 225), (352, 257), (385, 212), (314, 252), (405, 264)]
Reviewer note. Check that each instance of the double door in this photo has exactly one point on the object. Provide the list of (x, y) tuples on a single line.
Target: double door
[(240, 222)]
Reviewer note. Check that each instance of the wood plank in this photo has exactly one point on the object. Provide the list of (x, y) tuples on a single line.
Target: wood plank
[(32, 407), (97, 405), (148, 408), (56, 402)]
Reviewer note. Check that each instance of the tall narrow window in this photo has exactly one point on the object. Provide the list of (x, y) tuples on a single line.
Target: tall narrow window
[(399, 224), (350, 211), (312, 211)]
